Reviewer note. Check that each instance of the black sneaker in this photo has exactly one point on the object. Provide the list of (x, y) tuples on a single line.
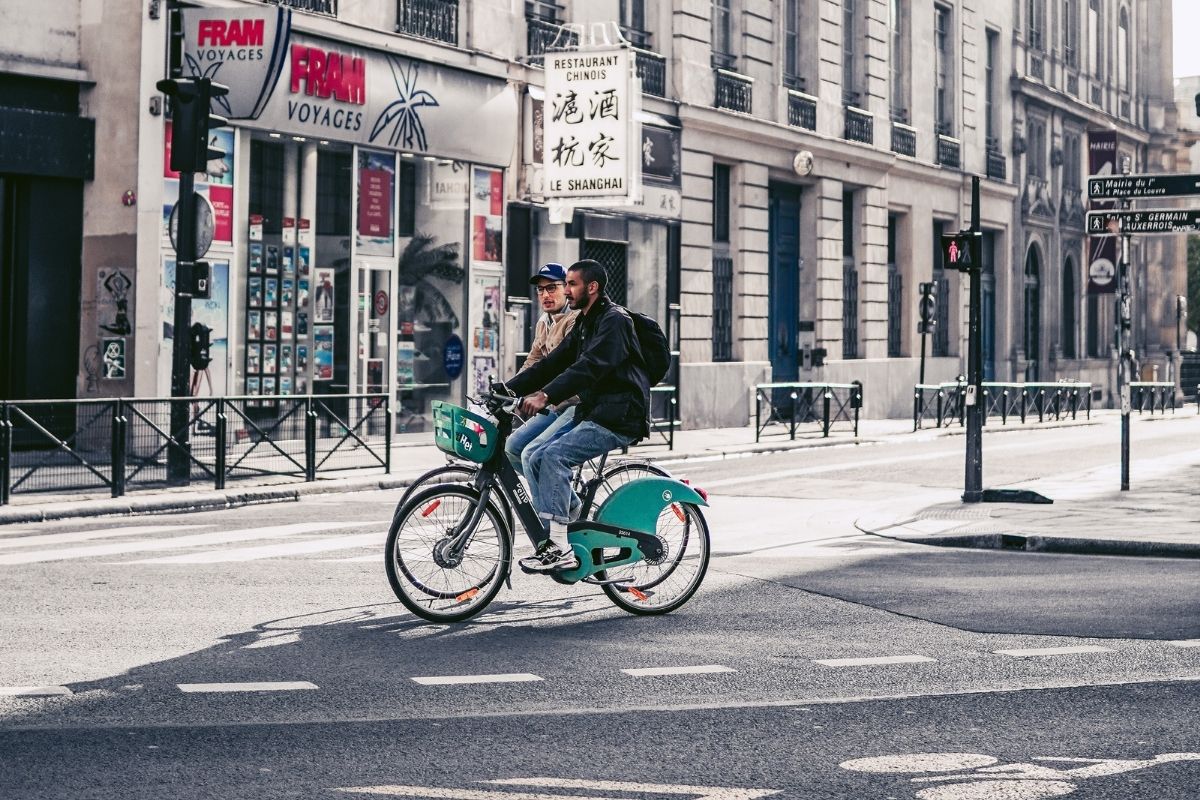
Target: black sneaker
[(550, 558)]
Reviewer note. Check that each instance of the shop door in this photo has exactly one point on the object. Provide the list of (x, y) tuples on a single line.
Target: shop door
[(374, 331), (612, 256), (783, 313)]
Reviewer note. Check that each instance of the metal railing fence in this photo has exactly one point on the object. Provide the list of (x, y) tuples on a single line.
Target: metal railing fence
[(794, 404), (128, 443), (944, 403)]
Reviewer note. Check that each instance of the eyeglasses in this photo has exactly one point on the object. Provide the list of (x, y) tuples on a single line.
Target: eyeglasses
[(548, 288)]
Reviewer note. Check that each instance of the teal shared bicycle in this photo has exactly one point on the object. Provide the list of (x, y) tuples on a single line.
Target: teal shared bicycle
[(450, 546)]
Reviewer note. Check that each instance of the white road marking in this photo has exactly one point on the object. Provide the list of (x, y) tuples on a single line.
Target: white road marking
[(274, 550), (1185, 643), (83, 536), (444, 680), (1054, 651), (696, 792), (446, 793), (696, 670), (262, 686), (443, 793), (868, 662), (177, 542), (33, 691)]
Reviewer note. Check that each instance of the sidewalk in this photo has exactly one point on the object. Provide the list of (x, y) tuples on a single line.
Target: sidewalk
[(1159, 517)]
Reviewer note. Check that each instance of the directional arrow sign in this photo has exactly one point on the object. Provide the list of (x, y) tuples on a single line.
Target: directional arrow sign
[(1154, 220), (1128, 186)]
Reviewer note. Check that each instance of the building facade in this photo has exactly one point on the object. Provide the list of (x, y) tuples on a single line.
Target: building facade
[(381, 203)]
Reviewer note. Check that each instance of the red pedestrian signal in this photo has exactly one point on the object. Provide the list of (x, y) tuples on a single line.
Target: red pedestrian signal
[(962, 251)]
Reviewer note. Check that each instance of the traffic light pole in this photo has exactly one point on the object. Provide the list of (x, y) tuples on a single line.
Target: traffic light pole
[(1124, 358), (973, 483), (178, 460)]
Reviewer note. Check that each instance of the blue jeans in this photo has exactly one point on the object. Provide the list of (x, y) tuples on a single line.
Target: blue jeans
[(521, 438), (549, 466)]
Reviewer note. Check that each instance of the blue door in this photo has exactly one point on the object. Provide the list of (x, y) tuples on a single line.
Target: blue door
[(783, 315)]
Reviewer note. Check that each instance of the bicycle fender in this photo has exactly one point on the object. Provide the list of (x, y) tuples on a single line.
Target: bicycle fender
[(637, 504)]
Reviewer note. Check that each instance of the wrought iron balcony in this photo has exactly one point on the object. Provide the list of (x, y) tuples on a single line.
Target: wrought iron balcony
[(1037, 66), (860, 125), (904, 140), (1124, 108), (997, 165), (802, 110), (543, 36), (652, 69), (1073, 84), (428, 19), (734, 92), (949, 152)]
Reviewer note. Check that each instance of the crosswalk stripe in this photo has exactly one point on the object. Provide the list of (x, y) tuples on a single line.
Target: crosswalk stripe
[(262, 686), (870, 662), (33, 691), (374, 539), (1054, 651), (83, 536), (176, 543), (448, 680), (696, 670)]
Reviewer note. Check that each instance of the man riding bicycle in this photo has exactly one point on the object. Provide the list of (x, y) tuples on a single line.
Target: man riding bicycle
[(552, 328), (602, 363)]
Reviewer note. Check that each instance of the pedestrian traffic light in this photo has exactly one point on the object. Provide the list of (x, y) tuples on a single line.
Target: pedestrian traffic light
[(962, 251), (191, 120), (201, 280), (199, 345), (928, 308)]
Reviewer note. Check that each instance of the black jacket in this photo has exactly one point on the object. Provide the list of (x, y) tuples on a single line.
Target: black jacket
[(600, 361)]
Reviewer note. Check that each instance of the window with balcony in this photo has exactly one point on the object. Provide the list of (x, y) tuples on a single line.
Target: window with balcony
[(991, 125), (1037, 24), (722, 35), (793, 70), (850, 94), (1123, 54), (898, 59), (1070, 23), (942, 63), (545, 31), (428, 19)]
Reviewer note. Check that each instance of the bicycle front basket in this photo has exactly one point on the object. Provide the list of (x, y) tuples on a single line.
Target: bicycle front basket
[(463, 433)]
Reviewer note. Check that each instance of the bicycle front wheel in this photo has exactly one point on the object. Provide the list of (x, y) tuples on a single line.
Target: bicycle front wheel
[(429, 576), (658, 588)]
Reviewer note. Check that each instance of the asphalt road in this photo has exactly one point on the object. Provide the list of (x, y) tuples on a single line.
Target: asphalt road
[(259, 652)]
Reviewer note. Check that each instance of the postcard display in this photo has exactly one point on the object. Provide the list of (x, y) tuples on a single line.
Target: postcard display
[(278, 335)]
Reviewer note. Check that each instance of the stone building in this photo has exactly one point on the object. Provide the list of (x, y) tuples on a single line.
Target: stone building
[(800, 159)]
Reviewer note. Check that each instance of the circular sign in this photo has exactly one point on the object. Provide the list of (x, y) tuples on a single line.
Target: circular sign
[(381, 303), (205, 225), (452, 357), (1101, 272)]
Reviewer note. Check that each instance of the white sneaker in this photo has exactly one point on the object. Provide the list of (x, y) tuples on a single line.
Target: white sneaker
[(550, 559)]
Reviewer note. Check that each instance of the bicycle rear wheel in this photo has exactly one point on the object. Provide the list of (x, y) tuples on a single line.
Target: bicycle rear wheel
[(645, 588), (620, 473), (432, 582)]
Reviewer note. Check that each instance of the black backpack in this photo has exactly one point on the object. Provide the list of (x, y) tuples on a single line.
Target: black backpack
[(656, 354)]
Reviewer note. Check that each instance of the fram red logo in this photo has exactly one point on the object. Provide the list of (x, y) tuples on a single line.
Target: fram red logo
[(231, 33), (329, 74)]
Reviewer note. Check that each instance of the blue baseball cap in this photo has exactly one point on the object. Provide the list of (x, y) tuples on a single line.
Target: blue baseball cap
[(551, 272)]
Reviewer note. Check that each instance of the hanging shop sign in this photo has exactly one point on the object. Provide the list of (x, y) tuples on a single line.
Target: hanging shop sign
[(303, 85), (591, 135), (1102, 250)]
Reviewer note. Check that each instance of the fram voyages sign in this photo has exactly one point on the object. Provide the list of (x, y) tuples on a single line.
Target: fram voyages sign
[(303, 85), (591, 132), (243, 49)]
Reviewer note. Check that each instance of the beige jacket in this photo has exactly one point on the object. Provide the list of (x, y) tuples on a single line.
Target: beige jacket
[(550, 331)]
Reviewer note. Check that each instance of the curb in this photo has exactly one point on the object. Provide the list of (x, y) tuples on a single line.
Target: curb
[(193, 501), (1037, 543)]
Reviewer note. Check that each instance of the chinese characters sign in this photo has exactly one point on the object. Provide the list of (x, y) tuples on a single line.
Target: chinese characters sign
[(590, 145)]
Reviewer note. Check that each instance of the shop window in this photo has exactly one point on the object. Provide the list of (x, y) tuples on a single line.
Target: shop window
[(406, 220), (333, 182), (266, 182)]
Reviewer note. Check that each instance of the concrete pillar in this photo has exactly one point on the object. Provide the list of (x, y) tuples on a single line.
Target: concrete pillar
[(828, 197), (872, 272), (750, 286)]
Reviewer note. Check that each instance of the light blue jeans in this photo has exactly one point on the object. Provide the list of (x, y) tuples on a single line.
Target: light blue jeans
[(520, 439), (549, 466)]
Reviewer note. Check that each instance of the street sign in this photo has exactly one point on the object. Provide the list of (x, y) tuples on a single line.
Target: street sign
[(962, 251), (205, 225), (1152, 220), (1118, 187)]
